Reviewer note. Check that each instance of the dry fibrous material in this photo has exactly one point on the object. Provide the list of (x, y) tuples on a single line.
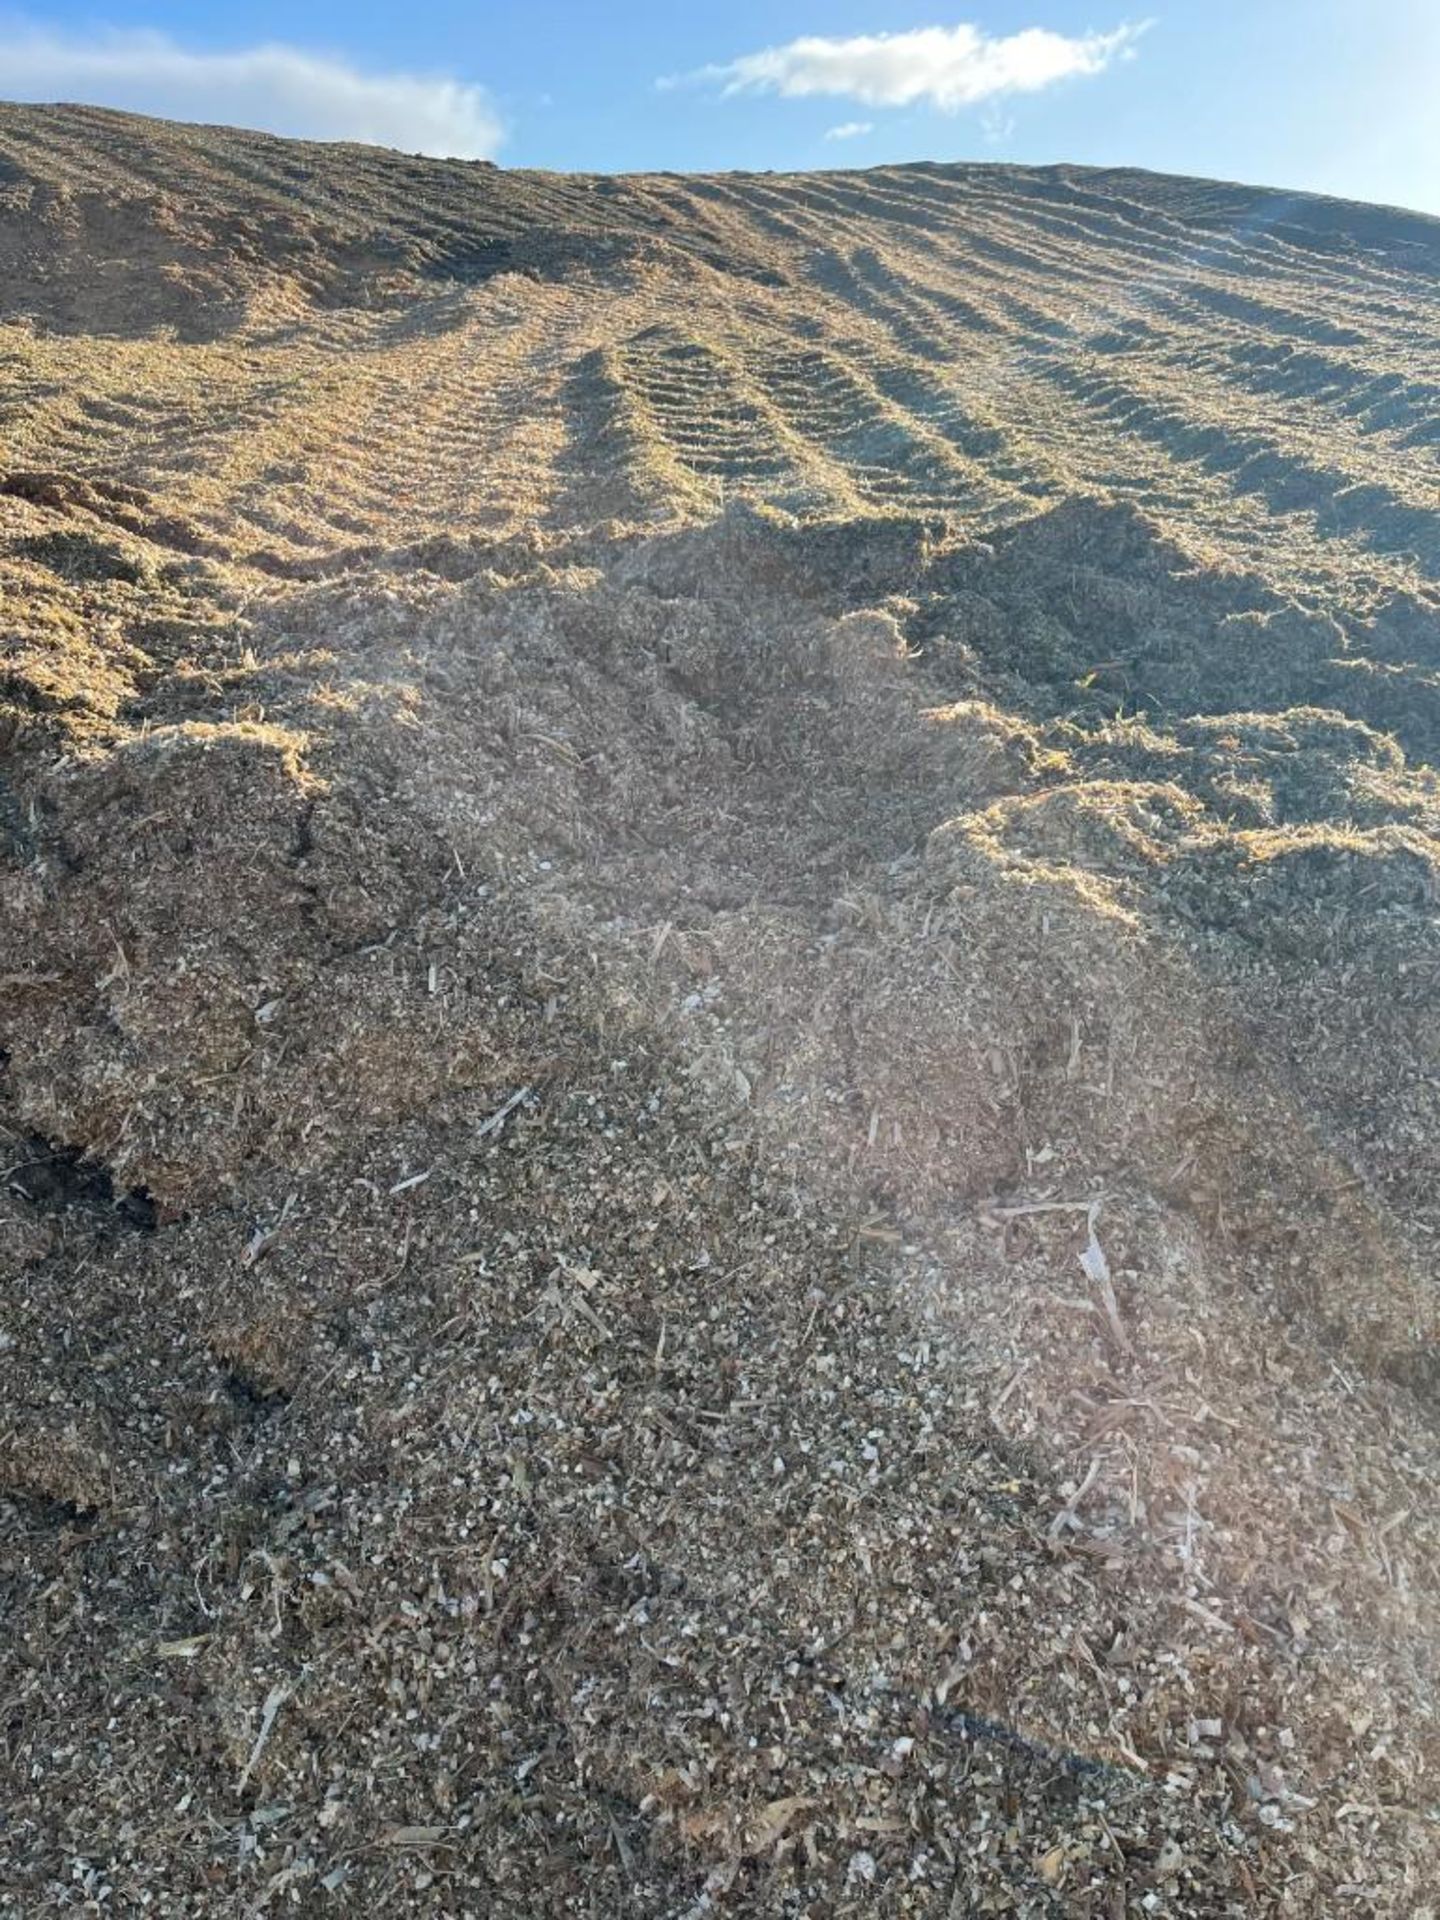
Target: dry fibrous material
[(718, 937)]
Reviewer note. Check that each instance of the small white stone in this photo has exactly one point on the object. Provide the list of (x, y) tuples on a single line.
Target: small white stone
[(861, 1870)]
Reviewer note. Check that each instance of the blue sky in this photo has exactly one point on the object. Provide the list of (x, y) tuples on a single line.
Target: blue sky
[(1334, 95)]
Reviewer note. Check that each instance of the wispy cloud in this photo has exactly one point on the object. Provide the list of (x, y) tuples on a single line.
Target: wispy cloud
[(278, 88), (945, 67), (850, 130)]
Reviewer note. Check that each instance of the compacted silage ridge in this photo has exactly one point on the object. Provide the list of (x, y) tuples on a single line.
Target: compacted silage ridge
[(717, 1039)]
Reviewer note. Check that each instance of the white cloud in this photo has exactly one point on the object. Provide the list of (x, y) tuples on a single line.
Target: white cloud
[(945, 67), (278, 88), (850, 130)]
